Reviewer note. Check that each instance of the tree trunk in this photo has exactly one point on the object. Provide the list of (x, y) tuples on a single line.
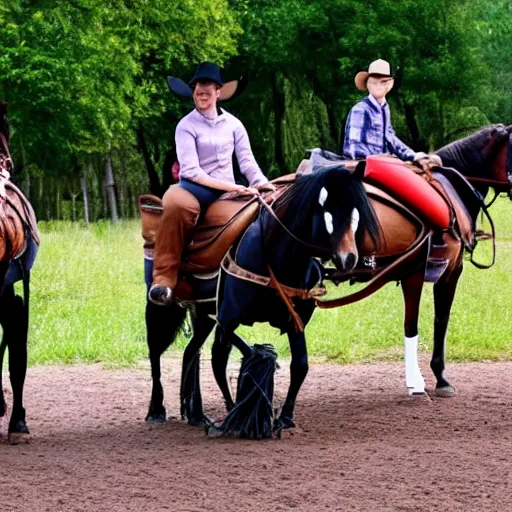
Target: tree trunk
[(83, 184), (154, 181), (278, 103), (58, 204), (73, 206), (111, 190), (417, 142)]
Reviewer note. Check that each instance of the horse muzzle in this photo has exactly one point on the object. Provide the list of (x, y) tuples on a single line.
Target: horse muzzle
[(345, 261)]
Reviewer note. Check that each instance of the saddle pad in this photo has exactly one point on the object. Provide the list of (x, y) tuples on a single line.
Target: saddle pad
[(404, 184)]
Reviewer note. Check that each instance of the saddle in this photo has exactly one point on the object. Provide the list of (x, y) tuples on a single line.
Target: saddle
[(17, 217), (223, 223)]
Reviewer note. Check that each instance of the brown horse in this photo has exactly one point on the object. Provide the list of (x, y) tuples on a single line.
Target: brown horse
[(18, 246), (485, 159)]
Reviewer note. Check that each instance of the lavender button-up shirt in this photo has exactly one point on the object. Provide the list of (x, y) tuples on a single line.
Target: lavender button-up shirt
[(205, 146)]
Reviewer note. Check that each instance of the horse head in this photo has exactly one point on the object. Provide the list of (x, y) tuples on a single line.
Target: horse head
[(485, 158), (329, 210)]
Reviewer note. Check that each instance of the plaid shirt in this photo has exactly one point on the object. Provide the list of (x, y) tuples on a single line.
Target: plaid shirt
[(369, 132)]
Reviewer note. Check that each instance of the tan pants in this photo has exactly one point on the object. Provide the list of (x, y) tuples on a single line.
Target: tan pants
[(181, 211)]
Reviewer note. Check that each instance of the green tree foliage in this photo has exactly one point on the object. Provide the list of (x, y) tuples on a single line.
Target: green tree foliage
[(86, 79), (81, 77)]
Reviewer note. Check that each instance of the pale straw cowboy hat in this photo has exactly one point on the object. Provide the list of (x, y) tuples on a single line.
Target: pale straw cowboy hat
[(378, 67), (206, 71)]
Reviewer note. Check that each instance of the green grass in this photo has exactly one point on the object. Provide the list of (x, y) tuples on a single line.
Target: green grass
[(88, 296)]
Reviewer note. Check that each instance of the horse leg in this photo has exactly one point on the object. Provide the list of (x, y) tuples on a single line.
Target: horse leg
[(3, 405), (224, 339), (444, 292), (162, 326), (412, 287), (190, 393), (298, 370), (15, 325)]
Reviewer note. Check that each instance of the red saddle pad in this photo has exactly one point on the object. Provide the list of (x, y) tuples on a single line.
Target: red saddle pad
[(404, 184)]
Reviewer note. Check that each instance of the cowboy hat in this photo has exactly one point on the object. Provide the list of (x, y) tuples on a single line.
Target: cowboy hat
[(378, 67), (208, 72)]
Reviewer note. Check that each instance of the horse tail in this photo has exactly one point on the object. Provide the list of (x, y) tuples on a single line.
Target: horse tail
[(163, 323)]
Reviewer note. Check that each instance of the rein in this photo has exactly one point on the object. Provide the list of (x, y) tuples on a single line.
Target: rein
[(272, 213), (232, 268)]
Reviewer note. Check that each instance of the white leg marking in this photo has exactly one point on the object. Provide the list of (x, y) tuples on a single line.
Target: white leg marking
[(413, 378)]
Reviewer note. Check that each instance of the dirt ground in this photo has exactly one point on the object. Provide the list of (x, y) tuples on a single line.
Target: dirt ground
[(361, 444)]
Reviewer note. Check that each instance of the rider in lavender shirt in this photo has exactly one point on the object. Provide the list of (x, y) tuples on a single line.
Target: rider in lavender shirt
[(205, 149), (205, 141)]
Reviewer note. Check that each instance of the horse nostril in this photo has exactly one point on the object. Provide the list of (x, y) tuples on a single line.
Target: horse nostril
[(350, 261), (345, 261)]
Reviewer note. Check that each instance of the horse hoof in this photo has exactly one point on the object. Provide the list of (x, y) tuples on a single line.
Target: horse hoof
[(19, 433), (197, 422), (416, 391), (18, 438), (282, 424), (156, 418), (445, 392)]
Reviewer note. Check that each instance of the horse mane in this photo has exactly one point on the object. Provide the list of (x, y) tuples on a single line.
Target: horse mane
[(295, 207), (468, 154)]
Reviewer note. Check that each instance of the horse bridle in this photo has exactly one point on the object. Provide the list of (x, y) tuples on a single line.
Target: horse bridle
[(499, 186)]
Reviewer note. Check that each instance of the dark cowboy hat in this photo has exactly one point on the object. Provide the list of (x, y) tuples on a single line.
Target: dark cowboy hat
[(208, 72)]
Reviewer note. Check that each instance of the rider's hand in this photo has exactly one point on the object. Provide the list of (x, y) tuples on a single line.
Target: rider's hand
[(419, 156), (436, 160), (427, 162), (267, 187), (244, 190)]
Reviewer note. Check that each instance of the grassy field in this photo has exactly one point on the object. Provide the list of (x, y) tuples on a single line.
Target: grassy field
[(88, 296)]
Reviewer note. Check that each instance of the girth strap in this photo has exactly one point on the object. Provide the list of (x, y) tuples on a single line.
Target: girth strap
[(231, 267)]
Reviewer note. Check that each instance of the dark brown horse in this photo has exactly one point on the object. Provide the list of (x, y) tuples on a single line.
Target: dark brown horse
[(18, 246), (485, 159)]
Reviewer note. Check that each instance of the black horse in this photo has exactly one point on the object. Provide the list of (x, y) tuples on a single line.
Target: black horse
[(13, 308), (322, 215)]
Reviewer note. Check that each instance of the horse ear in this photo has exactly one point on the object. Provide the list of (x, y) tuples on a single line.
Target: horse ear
[(358, 173), (501, 132)]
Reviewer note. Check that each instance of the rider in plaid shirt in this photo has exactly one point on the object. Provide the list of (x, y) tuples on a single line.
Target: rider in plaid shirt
[(368, 130)]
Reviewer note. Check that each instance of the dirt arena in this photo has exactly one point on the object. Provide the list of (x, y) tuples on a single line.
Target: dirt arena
[(361, 444)]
